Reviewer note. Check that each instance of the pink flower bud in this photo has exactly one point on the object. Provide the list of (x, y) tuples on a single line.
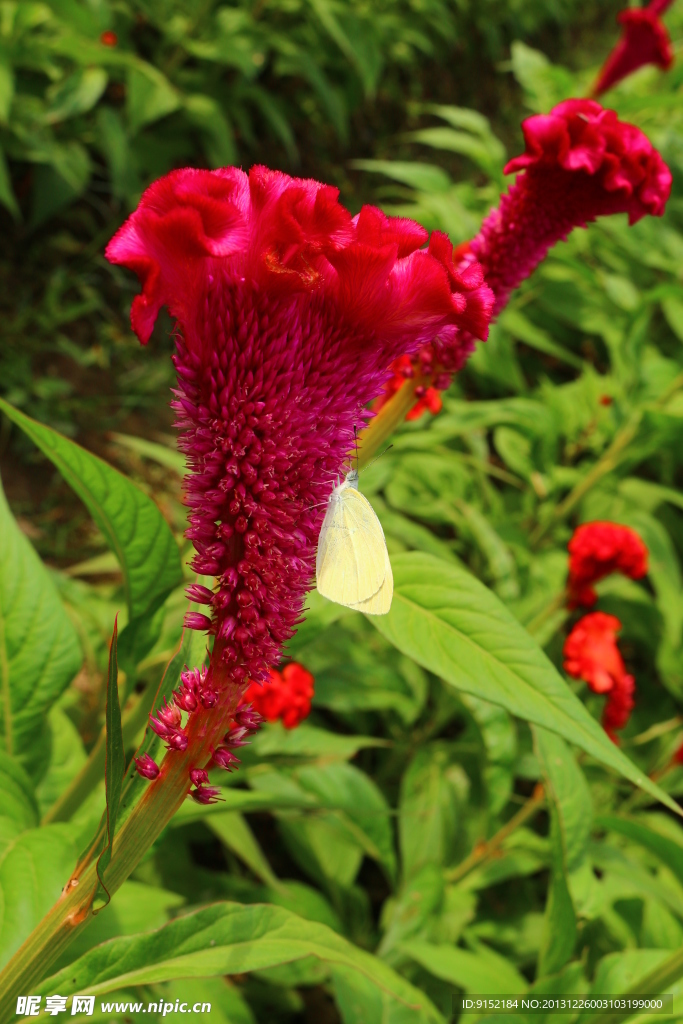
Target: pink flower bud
[(206, 795), (185, 699), (225, 759), (208, 698), (199, 594), (195, 620), (146, 767), (177, 741), (237, 737), (199, 776), (249, 718)]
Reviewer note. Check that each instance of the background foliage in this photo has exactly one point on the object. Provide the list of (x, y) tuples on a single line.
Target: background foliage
[(396, 838)]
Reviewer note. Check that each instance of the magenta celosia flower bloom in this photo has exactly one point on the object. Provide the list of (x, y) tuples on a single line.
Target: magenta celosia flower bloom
[(580, 163), (644, 40), (289, 312)]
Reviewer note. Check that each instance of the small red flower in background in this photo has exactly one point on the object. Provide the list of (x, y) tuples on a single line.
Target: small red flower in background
[(109, 38), (591, 654), (598, 549), (285, 697), (678, 756), (644, 40)]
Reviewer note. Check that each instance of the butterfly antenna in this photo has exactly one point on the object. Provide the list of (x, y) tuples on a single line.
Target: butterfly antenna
[(377, 457)]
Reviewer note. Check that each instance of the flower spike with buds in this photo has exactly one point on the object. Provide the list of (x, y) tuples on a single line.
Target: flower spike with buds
[(289, 313)]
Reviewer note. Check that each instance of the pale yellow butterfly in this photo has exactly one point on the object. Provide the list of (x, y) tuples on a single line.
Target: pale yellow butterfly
[(352, 565)]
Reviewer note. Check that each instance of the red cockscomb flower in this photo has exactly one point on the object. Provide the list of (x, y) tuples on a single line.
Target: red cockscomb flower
[(286, 697), (598, 549), (580, 163), (591, 654), (644, 40), (289, 312)]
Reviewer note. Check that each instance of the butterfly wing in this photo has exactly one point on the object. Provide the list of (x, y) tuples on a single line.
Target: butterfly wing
[(350, 563), (379, 603)]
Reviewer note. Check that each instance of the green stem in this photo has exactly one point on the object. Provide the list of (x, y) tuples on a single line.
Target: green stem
[(387, 420), (486, 850)]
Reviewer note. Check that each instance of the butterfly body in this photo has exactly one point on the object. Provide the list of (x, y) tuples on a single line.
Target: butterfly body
[(352, 563)]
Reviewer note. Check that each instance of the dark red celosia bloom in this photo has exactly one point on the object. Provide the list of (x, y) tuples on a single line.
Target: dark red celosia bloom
[(644, 40), (598, 549), (289, 312), (580, 163), (678, 755), (591, 654), (286, 697)]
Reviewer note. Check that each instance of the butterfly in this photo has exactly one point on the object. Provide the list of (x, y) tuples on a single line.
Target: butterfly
[(352, 564)]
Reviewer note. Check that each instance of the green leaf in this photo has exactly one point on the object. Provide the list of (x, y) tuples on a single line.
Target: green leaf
[(39, 649), (308, 741), (568, 790), (232, 829), (17, 798), (516, 324), (366, 814), (361, 1002), (149, 96), (67, 758), (76, 94), (7, 197), (115, 761), (480, 971), (206, 115), (6, 87), (668, 850), (452, 625), (428, 810), (228, 938), (132, 524), (34, 869), (500, 741)]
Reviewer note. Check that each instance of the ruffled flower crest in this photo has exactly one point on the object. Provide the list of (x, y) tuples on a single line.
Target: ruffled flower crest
[(581, 162), (644, 40), (289, 313)]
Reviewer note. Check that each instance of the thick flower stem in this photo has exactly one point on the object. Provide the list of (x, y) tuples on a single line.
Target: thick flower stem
[(387, 420), (73, 911)]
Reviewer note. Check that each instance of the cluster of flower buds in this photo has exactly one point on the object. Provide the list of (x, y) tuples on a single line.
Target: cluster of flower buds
[(246, 722)]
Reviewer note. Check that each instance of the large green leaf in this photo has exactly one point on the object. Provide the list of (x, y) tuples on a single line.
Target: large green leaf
[(451, 624), (132, 524), (39, 649), (480, 971), (668, 850), (33, 871), (228, 938), (428, 810)]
